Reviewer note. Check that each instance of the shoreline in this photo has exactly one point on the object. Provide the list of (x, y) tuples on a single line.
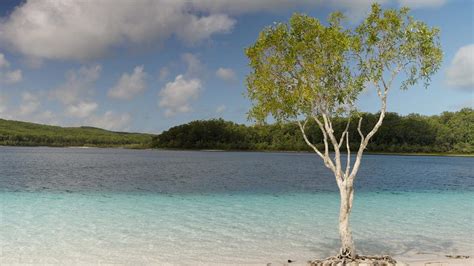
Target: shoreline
[(264, 151)]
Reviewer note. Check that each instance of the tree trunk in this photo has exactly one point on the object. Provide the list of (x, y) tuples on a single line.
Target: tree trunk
[(347, 244)]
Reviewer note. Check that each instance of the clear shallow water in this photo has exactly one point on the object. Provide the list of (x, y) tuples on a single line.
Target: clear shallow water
[(125, 206)]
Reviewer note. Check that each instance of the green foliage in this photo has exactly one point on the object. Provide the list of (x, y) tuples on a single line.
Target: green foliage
[(211, 134), (304, 68), (298, 65), (392, 41), (450, 132), (15, 133)]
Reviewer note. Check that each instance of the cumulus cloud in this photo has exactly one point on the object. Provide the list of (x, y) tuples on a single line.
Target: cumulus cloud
[(3, 61), (79, 30), (82, 109), (110, 120), (226, 74), (129, 85), (460, 73), (176, 96), (29, 110), (8, 76), (422, 3), (78, 84), (11, 77), (202, 28), (193, 65), (29, 103)]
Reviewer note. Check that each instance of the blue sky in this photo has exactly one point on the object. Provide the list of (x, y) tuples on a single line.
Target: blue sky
[(147, 65)]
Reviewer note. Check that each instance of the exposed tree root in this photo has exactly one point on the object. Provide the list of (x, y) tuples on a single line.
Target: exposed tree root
[(357, 260)]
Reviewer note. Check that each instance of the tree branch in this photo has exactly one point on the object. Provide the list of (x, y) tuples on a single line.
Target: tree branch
[(325, 136), (362, 137), (341, 140), (325, 157), (335, 144), (348, 163), (365, 140)]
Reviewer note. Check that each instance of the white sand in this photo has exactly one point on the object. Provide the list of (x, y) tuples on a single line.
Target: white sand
[(434, 260)]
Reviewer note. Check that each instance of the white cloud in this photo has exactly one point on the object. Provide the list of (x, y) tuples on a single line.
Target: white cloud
[(226, 74), (78, 84), (28, 110), (129, 85), (3, 61), (220, 109), (202, 28), (461, 71), (422, 3), (11, 77), (193, 65), (81, 30), (29, 104), (82, 109), (110, 120), (175, 97)]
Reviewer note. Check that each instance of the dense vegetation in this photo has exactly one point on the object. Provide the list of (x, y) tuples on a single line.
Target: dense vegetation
[(15, 133), (450, 132)]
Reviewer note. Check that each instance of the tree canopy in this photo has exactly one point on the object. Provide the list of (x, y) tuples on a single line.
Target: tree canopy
[(303, 67)]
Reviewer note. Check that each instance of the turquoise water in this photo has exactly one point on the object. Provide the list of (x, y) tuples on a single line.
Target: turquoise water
[(64, 206)]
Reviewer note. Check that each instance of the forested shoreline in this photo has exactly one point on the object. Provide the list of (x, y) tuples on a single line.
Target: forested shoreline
[(449, 132)]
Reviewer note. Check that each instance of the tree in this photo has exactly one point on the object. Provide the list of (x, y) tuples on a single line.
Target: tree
[(305, 70)]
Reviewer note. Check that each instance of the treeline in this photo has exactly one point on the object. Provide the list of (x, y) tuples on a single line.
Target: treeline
[(450, 132), (16, 133)]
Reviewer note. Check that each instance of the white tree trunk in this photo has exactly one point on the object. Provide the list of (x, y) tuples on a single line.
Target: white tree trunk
[(344, 179), (347, 244)]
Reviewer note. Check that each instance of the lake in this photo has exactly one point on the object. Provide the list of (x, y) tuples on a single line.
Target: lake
[(71, 205)]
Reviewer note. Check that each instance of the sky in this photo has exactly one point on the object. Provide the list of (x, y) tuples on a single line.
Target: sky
[(148, 65)]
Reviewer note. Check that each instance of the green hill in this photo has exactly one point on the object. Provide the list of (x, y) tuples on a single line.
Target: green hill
[(16, 133)]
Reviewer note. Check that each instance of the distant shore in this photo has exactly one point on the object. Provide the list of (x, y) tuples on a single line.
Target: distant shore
[(140, 147), (289, 151)]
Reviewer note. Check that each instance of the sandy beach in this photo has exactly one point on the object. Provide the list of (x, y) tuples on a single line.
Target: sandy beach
[(413, 260), (436, 260)]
